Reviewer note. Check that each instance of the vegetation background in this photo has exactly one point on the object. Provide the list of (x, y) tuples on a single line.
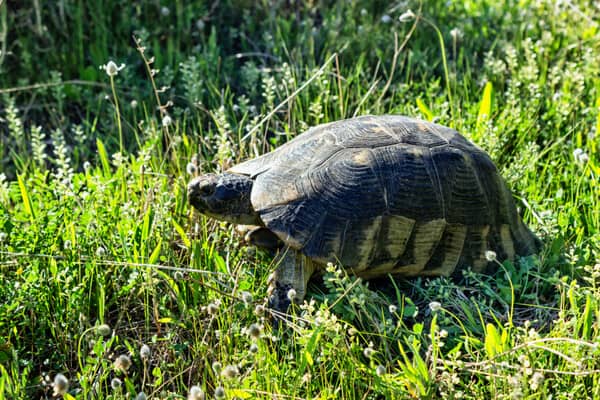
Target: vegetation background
[(111, 287)]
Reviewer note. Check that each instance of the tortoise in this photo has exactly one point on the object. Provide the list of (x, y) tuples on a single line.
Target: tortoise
[(378, 194)]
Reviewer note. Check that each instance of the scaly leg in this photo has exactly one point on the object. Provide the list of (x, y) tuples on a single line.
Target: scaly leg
[(289, 280)]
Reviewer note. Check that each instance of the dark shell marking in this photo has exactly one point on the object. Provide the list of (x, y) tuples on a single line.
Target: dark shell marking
[(387, 194)]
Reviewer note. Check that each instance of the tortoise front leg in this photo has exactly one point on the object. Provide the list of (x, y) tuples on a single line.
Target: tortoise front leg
[(259, 236), (289, 280)]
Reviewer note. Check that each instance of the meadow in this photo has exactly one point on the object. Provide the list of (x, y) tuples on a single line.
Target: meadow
[(112, 287)]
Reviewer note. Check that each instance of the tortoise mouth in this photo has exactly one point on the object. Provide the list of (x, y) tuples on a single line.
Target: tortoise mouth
[(200, 190)]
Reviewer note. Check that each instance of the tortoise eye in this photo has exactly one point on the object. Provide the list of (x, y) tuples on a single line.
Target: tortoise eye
[(206, 188)]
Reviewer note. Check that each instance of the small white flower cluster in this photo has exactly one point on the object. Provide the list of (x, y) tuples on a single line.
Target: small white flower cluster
[(407, 16), (456, 34), (490, 255), (111, 68), (580, 156), (435, 306)]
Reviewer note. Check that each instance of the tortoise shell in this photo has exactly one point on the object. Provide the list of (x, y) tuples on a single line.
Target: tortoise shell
[(387, 194)]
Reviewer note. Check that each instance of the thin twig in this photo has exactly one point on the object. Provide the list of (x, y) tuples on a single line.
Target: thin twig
[(53, 84)]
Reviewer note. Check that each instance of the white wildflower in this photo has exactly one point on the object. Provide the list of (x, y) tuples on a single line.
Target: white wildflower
[(386, 19), (166, 121), (191, 169), (456, 34), (490, 255), (380, 370), (580, 156), (111, 68), (291, 294), (165, 12), (100, 251), (407, 16), (435, 306), (368, 352), (536, 381)]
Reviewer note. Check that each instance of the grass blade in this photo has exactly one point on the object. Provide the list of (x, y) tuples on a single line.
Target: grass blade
[(26, 199), (485, 108)]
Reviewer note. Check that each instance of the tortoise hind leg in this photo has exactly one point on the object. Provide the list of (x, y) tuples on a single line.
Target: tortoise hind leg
[(289, 280)]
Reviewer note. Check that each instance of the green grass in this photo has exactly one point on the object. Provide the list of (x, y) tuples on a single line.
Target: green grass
[(96, 233)]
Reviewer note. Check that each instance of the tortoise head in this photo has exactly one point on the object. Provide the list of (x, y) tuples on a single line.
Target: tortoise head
[(225, 197)]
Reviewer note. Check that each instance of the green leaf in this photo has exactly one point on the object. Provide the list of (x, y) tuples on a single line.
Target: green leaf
[(588, 318), (157, 373), (182, 234), (425, 110), (103, 157), (26, 199), (240, 394), (493, 340), (156, 253), (485, 108)]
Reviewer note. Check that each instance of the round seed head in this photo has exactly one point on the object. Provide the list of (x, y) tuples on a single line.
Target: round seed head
[(212, 309), (60, 385), (100, 251), (368, 352), (145, 352), (217, 367), (141, 396), (380, 370), (254, 331), (196, 393), (116, 384), (247, 297), (166, 121), (122, 363), (259, 310), (219, 392), (103, 330), (230, 371)]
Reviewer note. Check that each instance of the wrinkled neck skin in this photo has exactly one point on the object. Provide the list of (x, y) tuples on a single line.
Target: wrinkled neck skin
[(225, 197)]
